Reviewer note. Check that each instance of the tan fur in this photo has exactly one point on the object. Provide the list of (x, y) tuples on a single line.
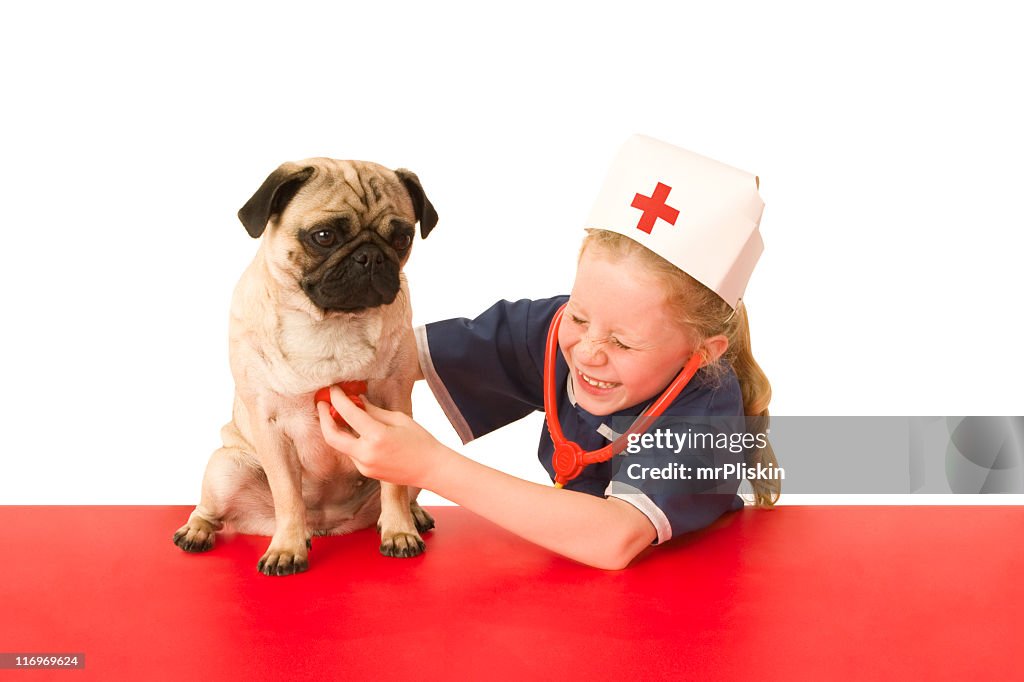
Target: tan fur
[(275, 474)]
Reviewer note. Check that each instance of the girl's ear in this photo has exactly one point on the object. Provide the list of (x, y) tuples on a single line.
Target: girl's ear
[(714, 348)]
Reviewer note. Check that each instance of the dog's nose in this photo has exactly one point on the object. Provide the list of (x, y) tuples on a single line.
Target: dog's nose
[(368, 256)]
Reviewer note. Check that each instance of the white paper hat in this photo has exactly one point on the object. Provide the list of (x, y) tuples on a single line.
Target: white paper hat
[(700, 215)]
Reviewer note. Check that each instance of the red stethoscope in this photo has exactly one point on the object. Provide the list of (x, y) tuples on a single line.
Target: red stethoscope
[(569, 459)]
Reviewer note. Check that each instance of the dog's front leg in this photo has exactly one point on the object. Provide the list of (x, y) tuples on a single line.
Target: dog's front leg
[(289, 547), (401, 518), (399, 536)]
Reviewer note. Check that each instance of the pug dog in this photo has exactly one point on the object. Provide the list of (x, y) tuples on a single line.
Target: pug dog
[(324, 301)]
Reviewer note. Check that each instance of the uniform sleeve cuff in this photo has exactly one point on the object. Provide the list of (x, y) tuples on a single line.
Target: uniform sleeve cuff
[(628, 493), (441, 394)]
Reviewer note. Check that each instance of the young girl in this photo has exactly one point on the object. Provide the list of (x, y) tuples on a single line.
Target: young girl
[(673, 239)]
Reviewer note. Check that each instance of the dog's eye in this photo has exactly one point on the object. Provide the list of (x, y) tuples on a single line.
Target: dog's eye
[(400, 242), (325, 238)]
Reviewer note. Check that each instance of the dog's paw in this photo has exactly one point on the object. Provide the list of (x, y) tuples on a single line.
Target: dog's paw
[(278, 562), (195, 536), (401, 545), (424, 521)]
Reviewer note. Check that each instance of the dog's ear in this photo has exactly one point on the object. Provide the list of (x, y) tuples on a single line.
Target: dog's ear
[(425, 213), (272, 196)]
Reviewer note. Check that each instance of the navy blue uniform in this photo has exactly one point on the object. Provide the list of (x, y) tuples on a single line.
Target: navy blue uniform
[(488, 372)]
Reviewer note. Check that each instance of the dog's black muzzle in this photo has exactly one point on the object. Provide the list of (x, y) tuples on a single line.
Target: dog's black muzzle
[(365, 278)]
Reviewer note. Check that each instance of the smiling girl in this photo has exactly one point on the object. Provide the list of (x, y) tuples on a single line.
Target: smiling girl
[(659, 281)]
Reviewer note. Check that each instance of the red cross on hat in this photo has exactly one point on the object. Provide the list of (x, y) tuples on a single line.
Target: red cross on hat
[(654, 207)]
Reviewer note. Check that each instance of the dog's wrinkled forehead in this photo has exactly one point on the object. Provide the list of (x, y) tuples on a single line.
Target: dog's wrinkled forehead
[(361, 192)]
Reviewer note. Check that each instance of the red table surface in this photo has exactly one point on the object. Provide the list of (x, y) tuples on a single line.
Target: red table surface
[(803, 593)]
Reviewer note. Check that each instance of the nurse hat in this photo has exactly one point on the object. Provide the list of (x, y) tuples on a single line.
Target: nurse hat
[(700, 215)]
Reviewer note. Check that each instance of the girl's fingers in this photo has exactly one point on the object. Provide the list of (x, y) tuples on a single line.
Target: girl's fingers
[(357, 419), (380, 414), (330, 428)]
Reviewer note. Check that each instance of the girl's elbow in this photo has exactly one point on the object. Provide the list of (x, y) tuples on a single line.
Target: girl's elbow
[(617, 554), (616, 563), (632, 535)]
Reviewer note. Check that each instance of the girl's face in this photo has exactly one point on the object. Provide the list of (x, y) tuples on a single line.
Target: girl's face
[(618, 335)]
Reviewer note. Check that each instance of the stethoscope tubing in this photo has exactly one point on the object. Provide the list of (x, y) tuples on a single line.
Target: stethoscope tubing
[(569, 458)]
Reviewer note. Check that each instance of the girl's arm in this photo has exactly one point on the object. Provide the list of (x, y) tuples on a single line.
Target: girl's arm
[(605, 533)]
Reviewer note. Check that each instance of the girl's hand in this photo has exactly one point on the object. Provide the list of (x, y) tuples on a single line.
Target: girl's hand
[(390, 446), (386, 445)]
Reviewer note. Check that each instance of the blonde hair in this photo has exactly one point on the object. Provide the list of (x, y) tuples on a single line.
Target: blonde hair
[(706, 314)]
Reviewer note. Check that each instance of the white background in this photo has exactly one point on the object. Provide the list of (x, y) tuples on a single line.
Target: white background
[(887, 137)]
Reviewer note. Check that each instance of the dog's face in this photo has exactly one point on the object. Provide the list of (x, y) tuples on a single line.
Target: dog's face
[(339, 230)]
